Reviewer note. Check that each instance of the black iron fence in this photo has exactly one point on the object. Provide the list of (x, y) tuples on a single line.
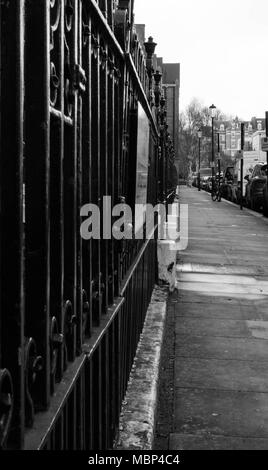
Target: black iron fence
[(73, 74)]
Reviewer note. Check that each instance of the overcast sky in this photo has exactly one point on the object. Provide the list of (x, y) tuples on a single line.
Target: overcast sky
[(222, 47)]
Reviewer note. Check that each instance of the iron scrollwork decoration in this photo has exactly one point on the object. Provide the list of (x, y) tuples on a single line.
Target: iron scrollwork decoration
[(70, 323), (55, 14), (86, 31), (95, 299), (6, 406), (69, 14), (103, 56), (55, 54), (68, 90), (54, 84), (79, 79), (68, 60), (56, 344), (33, 367), (111, 66), (117, 75), (85, 315), (95, 45)]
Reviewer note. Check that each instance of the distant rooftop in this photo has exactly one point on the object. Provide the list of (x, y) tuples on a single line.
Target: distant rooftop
[(140, 30), (171, 72)]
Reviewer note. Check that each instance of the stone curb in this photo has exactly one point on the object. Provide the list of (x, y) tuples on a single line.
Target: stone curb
[(258, 215), (137, 422)]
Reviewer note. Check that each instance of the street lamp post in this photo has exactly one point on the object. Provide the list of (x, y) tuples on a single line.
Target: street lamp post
[(219, 157), (213, 109), (199, 133)]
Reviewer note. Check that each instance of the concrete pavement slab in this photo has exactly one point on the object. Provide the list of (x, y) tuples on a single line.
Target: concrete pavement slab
[(233, 311), (242, 349), (212, 327), (221, 374), (212, 442), (221, 412), (218, 298)]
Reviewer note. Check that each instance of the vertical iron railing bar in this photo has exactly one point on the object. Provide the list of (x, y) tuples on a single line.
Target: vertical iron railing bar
[(57, 120), (125, 341), (12, 249), (87, 163), (95, 132), (104, 163), (105, 391), (80, 96), (88, 416), (75, 174), (37, 185), (113, 380), (97, 399), (111, 172)]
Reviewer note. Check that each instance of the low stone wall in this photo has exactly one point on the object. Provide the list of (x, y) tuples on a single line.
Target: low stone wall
[(137, 421)]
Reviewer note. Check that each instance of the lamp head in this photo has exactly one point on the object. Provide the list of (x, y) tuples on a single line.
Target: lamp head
[(212, 110), (150, 46)]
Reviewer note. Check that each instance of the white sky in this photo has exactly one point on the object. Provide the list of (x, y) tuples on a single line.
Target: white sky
[(222, 47)]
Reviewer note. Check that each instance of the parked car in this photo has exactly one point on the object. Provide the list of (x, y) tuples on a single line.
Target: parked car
[(255, 187), (265, 198), (205, 175)]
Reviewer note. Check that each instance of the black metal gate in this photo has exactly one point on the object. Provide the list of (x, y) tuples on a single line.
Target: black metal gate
[(72, 75)]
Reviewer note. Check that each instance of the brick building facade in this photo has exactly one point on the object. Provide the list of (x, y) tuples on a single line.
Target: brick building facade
[(230, 135)]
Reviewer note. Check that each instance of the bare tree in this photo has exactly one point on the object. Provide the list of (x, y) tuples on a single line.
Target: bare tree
[(195, 117)]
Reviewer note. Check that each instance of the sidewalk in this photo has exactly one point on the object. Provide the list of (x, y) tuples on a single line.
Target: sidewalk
[(220, 313)]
